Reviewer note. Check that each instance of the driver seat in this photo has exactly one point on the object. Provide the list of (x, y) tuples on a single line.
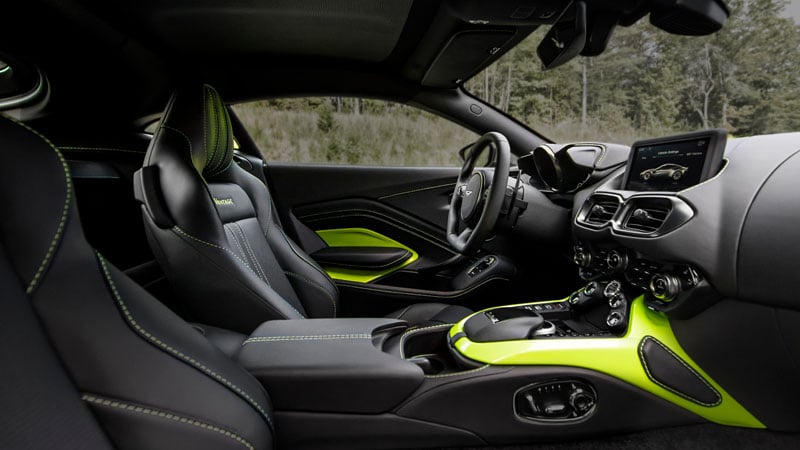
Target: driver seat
[(214, 229)]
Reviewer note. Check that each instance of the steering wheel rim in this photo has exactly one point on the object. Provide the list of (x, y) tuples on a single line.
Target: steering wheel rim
[(477, 229)]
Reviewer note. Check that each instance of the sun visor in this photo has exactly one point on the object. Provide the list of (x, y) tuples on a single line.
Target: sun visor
[(465, 54)]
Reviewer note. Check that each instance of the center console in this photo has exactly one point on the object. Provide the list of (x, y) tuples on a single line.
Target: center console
[(603, 359), (597, 361)]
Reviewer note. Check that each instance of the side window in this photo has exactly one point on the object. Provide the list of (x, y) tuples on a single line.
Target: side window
[(340, 130)]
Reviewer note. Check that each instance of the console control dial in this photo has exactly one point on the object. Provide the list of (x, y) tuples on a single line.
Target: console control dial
[(617, 261), (665, 286), (580, 400), (582, 257)]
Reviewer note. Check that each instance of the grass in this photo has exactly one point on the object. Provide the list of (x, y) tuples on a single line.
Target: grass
[(399, 137), (381, 135)]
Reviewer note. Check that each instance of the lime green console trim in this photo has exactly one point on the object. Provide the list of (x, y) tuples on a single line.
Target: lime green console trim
[(615, 356), (361, 237)]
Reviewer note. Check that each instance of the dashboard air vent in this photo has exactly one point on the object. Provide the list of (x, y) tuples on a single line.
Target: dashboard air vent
[(602, 211), (646, 218)]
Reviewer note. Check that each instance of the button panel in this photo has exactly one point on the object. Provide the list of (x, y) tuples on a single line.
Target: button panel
[(556, 400)]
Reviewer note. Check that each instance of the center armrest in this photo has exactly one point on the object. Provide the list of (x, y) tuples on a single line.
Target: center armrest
[(329, 365)]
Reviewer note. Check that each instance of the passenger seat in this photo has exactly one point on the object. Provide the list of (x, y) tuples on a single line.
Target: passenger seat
[(215, 231)]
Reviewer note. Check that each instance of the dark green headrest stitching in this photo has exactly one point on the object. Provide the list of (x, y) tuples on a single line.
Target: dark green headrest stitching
[(217, 135), (197, 116)]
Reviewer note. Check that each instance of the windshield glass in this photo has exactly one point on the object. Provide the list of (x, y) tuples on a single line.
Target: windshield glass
[(651, 83)]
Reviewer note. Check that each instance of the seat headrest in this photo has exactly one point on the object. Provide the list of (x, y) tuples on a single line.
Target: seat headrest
[(198, 113)]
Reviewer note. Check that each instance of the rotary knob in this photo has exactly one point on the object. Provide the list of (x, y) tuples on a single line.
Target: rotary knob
[(617, 261), (581, 401), (665, 287), (582, 257)]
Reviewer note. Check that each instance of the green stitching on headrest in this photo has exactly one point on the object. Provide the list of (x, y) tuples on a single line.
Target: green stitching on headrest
[(218, 139)]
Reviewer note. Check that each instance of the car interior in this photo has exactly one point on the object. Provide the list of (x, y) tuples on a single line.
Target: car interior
[(164, 285)]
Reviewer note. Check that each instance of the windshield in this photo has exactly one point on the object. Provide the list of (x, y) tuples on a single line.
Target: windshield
[(651, 83)]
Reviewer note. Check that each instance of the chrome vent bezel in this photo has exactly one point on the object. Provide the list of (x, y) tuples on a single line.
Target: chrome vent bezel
[(585, 214), (646, 218), (679, 213)]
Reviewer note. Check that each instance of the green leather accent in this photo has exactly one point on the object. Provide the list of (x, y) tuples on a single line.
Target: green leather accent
[(617, 357), (218, 139), (361, 237)]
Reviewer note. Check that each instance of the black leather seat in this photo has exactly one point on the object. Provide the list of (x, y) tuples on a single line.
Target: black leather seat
[(89, 359), (214, 229)]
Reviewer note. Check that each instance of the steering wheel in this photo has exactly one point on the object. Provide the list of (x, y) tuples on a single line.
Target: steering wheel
[(476, 205)]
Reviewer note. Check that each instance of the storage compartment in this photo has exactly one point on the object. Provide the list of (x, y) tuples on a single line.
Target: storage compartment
[(428, 348), (335, 365)]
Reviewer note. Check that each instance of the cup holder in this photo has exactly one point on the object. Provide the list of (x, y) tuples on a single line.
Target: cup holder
[(431, 364), (428, 348)]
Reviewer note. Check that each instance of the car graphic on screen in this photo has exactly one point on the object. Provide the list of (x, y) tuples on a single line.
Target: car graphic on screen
[(674, 171)]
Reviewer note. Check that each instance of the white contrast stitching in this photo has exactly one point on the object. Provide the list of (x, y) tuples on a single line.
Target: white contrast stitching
[(166, 415), (455, 374), (321, 337), (316, 285), (252, 253), (178, 230), (188, 141), (64, 212), (417, 330), (229, 227), (197, 364), (691, 370)]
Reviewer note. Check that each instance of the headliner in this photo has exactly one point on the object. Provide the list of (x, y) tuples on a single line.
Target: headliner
[(122, 58)]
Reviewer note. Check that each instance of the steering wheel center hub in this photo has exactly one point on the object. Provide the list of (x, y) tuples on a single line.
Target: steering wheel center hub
[(473, 197)]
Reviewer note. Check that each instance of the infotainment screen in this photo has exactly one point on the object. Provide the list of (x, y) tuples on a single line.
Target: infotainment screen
[(674, 163)]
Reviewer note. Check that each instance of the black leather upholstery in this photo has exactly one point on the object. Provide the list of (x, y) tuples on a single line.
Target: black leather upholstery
[(149, 379), (361, 258), (218, 237), (330, 365)]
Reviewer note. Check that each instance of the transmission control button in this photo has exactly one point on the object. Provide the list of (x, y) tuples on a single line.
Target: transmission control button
[(614, 319), (612, 288)]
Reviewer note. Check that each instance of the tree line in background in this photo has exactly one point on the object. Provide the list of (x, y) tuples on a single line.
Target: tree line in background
[(648, 82)]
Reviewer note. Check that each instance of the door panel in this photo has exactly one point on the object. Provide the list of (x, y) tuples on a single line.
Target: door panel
[(406, 205), (419, 191)]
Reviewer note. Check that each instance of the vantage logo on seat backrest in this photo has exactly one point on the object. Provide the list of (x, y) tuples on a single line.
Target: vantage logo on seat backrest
[(223, 201)]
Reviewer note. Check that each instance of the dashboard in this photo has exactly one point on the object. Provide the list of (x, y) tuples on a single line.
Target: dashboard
[(689, 219)]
